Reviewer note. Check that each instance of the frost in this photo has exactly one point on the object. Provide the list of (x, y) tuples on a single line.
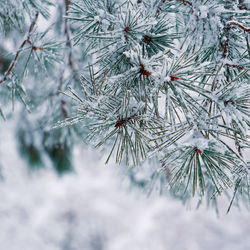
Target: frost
[(167, 79), (203, 11), (97, 19)]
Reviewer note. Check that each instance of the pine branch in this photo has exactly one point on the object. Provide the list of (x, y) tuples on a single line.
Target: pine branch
[(147, 97), (27, 40)]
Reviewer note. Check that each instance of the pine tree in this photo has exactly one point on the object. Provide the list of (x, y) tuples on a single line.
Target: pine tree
[(163, 81)]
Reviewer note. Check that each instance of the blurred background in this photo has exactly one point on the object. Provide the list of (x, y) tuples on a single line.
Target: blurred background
[(95, 207), (55, 192)]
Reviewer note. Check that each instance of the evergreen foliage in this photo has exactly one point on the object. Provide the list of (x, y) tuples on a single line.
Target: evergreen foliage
[(162, 81)]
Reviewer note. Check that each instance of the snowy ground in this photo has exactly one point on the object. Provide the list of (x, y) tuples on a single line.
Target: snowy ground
[(92, 210)]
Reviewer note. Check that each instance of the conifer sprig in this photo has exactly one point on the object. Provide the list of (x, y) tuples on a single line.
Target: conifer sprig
[(163, 81), (187, 81)]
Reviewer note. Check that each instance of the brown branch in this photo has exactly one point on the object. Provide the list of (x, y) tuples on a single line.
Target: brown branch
[(227, 34), (144, 72), (122, 122), (32, 25), (63, 109), (66, 31), (27, 40), (103, 79), (185, 2), (239, 25), (234, 66), (63, 104), (68, 43), (226, 45)]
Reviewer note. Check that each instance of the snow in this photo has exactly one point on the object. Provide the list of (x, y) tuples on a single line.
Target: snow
[(94, 208), (203, 11)]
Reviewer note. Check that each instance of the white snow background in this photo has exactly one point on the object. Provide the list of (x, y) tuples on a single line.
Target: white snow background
[(92, 209)]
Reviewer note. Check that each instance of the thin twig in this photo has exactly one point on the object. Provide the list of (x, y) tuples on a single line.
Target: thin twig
[(239, 25), (103, 79), (70, 60), (68, 43), (227, 34), (234, 66), (226, 45), (185, 2), (27, 40), (62, 103)]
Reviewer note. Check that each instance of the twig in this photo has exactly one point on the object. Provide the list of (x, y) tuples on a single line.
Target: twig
[(70, 61), (234, 66), (122, 122), (227, 34), (63, 104), (239, 25), (185, 2), (103, 79), (68, 43), (63, 109), (225, 46), (27, 40)]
